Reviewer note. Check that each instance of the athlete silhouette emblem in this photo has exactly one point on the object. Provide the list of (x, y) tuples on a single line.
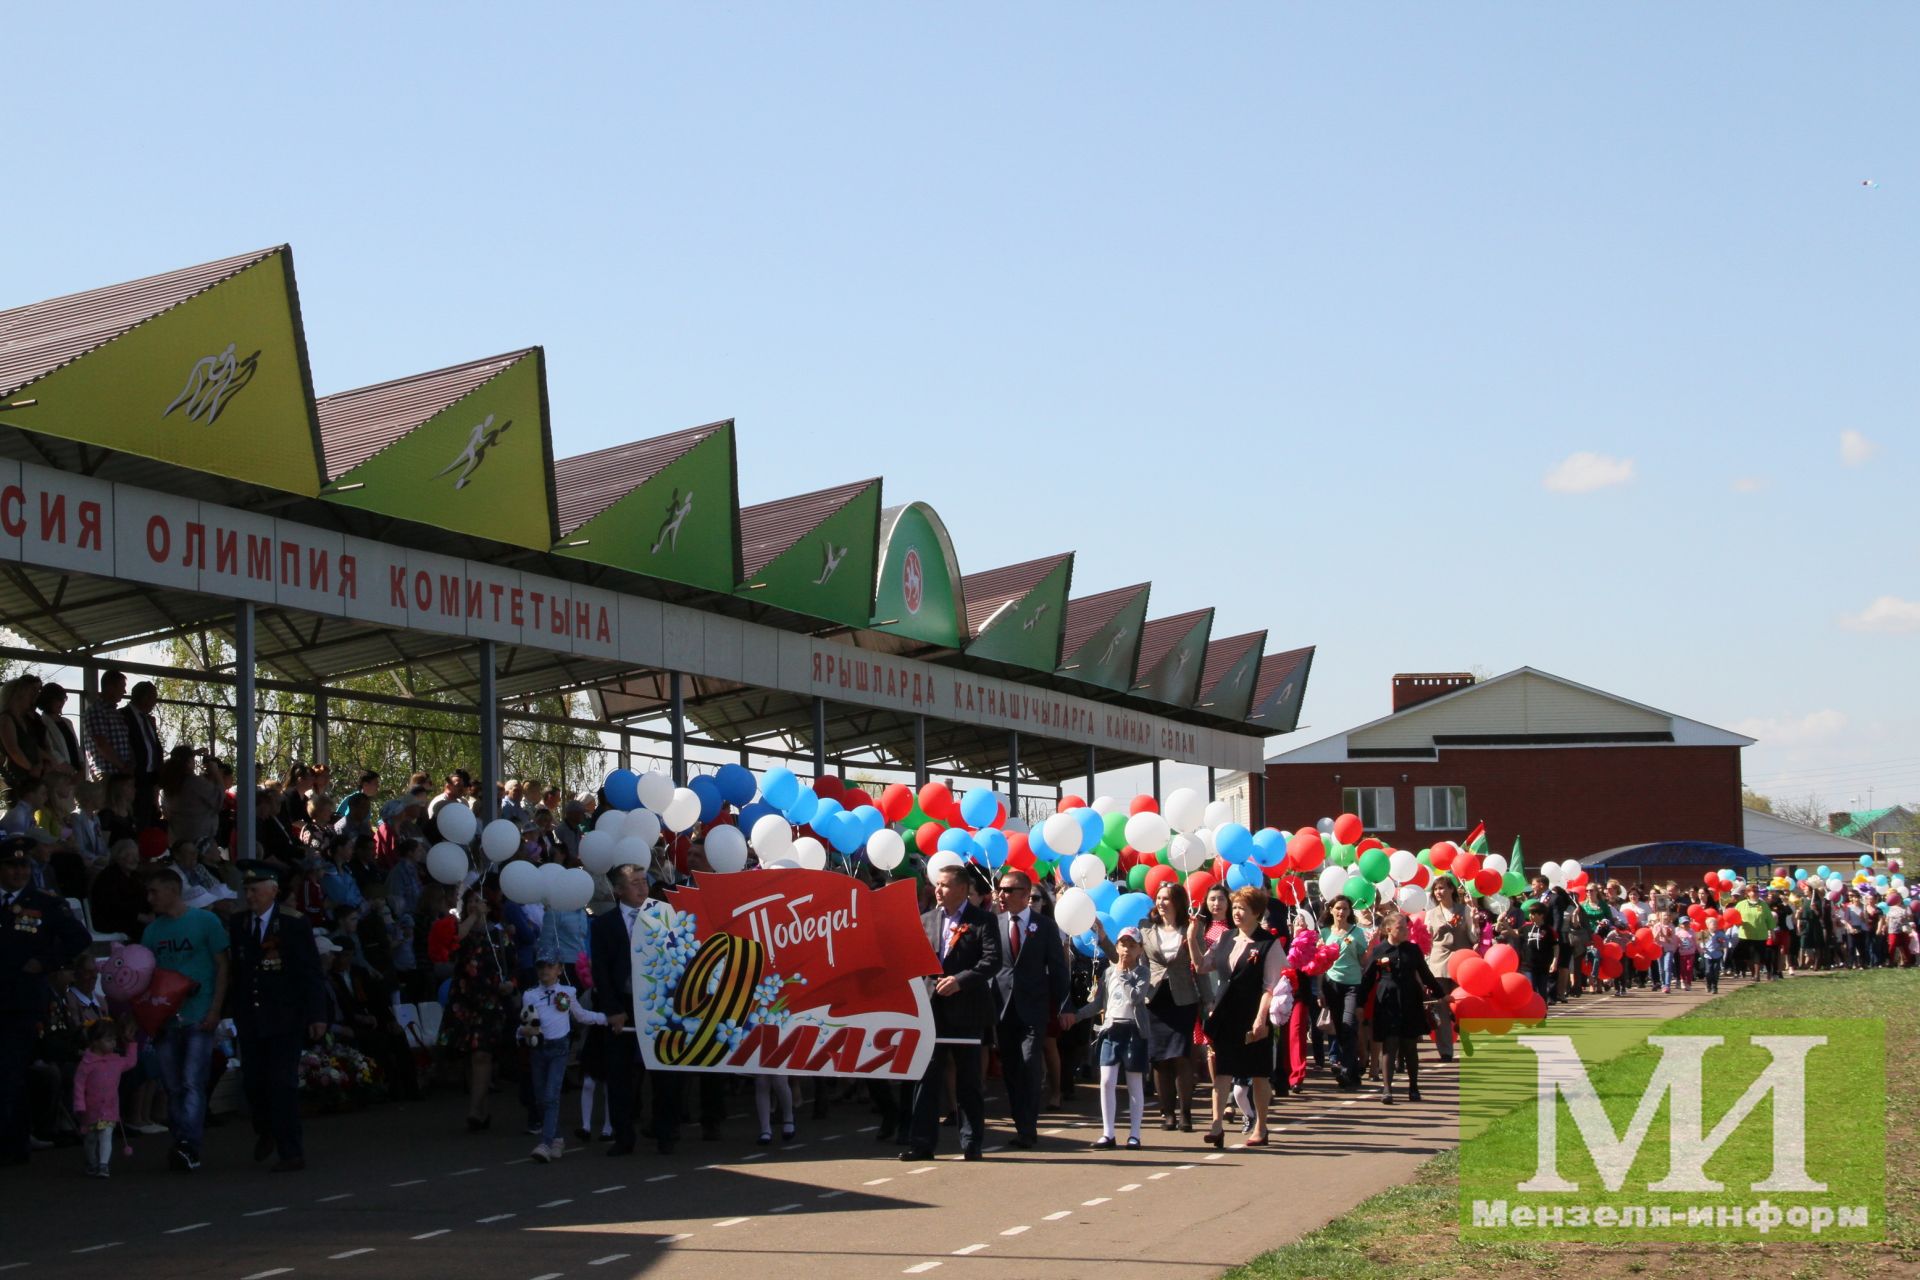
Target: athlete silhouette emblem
[(212, 383), (677, 509), (1113, 646), (834, 556), (1039, 612), (484, 437)]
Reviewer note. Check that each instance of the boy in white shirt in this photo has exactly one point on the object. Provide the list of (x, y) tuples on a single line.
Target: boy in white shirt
[(548, 1011)]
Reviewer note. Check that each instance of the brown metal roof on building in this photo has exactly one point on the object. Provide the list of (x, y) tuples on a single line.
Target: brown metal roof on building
[(989, 591), (41, 337), (1275, 670), (588, 483), (1223, 654), (355, 425), (1160, 635), (770, 528), (1086, 615)]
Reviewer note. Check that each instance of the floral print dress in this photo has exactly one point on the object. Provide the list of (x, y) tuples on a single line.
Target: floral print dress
[(480, 1016)]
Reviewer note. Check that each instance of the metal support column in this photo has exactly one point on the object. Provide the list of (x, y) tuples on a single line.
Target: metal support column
[(1091, 772), (1257, 799), (1013, 773), (245, 730), (919, 752), (321, 733), (677, 720), (819, 737), (1156, 779), (626, 749), (489, 797), (1211, 797)]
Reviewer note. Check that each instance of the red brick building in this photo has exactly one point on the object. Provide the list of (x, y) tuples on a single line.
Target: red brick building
[(1574, 772)]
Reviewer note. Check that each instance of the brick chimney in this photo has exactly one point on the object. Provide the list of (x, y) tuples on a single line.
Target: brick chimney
[(1412, 689)]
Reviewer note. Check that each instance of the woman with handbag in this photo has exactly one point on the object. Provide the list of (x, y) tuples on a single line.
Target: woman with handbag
[(1170, 938), (1340, 929), (1238, 1029), (1398, 980)]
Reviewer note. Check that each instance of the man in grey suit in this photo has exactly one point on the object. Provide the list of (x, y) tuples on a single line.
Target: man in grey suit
[(1030, 991)]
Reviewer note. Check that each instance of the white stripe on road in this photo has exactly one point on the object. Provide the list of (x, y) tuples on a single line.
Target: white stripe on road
[(660, 1177), (925, 1168), (351, 1253), (874, 1182), (1097, 1200), (410, 1182), (684, 1235), (555, 1204), (784, 1208), (261, 1213), (1155, 1177), (461, 1173), (612, 1257), (262, 1275), (428, 1235), (1014, 1231), (1055, 1217), (828, 1195), (972, 1248), (344, 1195), (95, 1248), (919, 1267), (618, 1186), (174, 1231), (498, 1217), (729, 1222)]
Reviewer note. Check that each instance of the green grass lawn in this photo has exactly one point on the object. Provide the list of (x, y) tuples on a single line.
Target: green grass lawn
[(1411, 1232)]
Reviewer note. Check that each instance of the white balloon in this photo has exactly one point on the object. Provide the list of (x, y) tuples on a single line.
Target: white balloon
[(1186, 854), (1331, 879), (552, 876), (1553, 873), (1147, 832), (772, 837), (1570, 869), (1061, 834), (1087, 871), (1411, 898), (1075, 912), (1217, 814), (630, 849), (886, 850), (641, 824), (941, 861), (500, 840), (1324, 826), (1205, 836), (781, 864), (573, 892), (447, 863), (1402, 865), (810, 853), (1184, 809), (656, 790), (598, 850), (1495, 862), (1497, 904), (1104, 805), (682, 811), (456, 822), (726, 848), (520, 881)]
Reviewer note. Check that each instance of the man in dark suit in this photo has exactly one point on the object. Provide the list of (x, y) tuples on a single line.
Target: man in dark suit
[(37, 935), (610, 943), (143, 743), (968, 944), (1030, 990), (278, 1001)]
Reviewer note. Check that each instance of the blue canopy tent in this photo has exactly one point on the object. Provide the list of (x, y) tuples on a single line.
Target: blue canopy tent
[(1669, 854)]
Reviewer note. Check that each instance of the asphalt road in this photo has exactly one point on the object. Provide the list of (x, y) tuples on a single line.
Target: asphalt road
[(404, 1190)]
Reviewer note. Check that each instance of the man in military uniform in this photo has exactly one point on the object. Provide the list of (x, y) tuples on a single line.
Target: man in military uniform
[(37, 935), (278, 1003)]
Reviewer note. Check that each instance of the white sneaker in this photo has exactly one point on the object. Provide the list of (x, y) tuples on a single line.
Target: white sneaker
[(543, 1153), (556, 1148)]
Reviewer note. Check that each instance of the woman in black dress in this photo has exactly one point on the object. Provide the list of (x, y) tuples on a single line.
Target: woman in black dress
[(1249, 966), (1400, 983)]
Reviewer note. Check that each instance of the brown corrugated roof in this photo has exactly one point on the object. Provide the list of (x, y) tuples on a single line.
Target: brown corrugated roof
[(355, 425), (1159, 637), (770, 528), (43, 336), (1222, 654), (588, 483), (1086, 615), (1275, 670), (986, 592)]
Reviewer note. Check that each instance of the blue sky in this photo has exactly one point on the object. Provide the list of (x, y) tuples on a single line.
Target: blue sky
[(1291, 309)]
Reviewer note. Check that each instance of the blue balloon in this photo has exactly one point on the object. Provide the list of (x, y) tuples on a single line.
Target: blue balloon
[(1823, 871), (1130, 909), (1866, 860), (1271, 844), (1233, 842), (994, 841), (825, 809), (1107, 923), (1881, 881), (736, 784), (752, 813), (1243, 875), (1093, 828), (954, 840), (871, 822), (846, 833), (1104, 895), (779, 787), (623, 789), (803, 809), (993, 859), (709, 792), (1087, 944), (1799, 873), (979, 806)]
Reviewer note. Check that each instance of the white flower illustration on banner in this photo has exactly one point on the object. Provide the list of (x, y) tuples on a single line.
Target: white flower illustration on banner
[(213, 382), (483, 437)]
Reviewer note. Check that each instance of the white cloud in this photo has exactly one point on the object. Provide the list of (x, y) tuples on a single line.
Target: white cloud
[(1585, 472), (1788, 731), (1748, 484), (1856, 449), (1888, 613)]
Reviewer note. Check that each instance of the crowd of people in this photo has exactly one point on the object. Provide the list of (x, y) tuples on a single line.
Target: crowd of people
[(324, 926)]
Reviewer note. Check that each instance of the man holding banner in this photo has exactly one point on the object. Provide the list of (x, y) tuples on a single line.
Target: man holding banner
[(967, 941)]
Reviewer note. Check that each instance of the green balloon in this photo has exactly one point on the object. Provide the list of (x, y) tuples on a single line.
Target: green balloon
[(1359, 891), (1425, 858), (1109, 855), (1043, 869), (1513, 884), (1137, 878), (1374, 865), (1116, 830), (916, 818)]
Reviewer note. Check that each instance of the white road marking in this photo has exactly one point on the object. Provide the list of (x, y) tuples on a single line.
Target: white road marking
[(261, 1213), (461, 1173), (351, 1253), (662, 1177), (1349, 1102), (550, 1275), (1218, 1155), (795, 1146), (872, 1128), (344, 1195), (555, 1204), (262, 1275), (1097, 1200), (1014, 1231), (1182, 1168), (998, 1146), (1051, 1133), (828, 1195), (180, 1231), (618, 1186), (919, 1267), (612, 1257), (835, 1137), (874, 1182), (521, 1160), (95, 1248), (428, 1235), (1131, 1186), (684, 1235), (498, 1217), (1155, 1177), (925, 1168), (410, 1182), (972, 1248), (1056, 1216), (784, 1208), (756, 1155), (729, 1222)]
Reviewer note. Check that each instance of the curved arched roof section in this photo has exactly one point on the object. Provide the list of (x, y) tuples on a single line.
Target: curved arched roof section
[(918, 593)]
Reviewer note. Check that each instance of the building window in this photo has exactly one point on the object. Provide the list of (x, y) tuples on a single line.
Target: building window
[(1373, 806), (1440, 808)]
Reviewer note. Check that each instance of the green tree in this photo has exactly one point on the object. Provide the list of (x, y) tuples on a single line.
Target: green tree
[(1751, 799)]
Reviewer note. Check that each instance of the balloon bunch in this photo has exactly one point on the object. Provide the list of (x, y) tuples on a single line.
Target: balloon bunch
[(1308, 956), (562, 888), (1490, 993)]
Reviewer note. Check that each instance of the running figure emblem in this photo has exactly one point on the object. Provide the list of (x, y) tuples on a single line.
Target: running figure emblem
[(834, 556), (1113, 646), (677, 509), (212, 383), (1039, 612), (484, 437)]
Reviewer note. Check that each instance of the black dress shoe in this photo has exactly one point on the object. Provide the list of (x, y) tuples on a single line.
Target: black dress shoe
[(915, 1153), (262, 1146), (1023, 1142), (620, 1149), (971, 1153)]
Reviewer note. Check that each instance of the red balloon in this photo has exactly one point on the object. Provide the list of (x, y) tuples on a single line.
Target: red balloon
[(1514, 994), (1633, 917), (1475, 976), (1066, 803), (153, 843), (829, 787), (1471, 1008), (1291, 890), (155, 1007), (1197, 885), (1465, 865), (1305, 850), (724, 818), (1487, 882), (1420, 875), (1143, 803), (896, 802), (1536, 1010), (1711, 879), (1609, 970), (1000, 817), (854, 798), (926, 838), (1157, 876), (1369, 843), (1611, 951), (1643, 937), (1020, 851), (1731, 919), (1503, 959), (1443, 855), (934, 799), (1578, 883), (1347, 829), (1697, 913)]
